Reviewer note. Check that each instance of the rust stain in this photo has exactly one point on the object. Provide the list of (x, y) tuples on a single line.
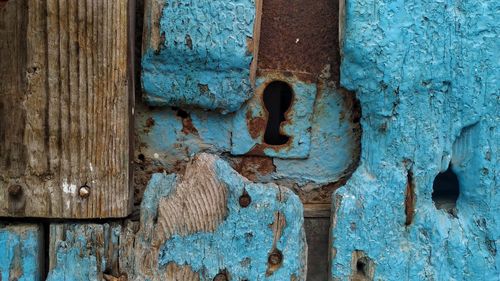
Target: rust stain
[(187, 122), (409, 199), (188, 127), (189, 42), (150, 122), (256, 125), (250, 45), (203, 88), (300, 37), (275, 258), (253, 167)]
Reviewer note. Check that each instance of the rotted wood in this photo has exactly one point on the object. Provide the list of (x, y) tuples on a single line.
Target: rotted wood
[(65, 107)]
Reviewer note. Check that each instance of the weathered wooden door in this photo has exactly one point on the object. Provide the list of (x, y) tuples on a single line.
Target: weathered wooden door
[(65, 107), (275, 140)]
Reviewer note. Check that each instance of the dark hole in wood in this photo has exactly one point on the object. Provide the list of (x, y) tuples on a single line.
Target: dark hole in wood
[(361, 267), (141, 157), (277, 99), (182, 114), (446, 190)]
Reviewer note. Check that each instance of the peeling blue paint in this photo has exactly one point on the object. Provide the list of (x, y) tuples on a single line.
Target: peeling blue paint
[(160, 185), (204, 60), (426, 74), (328, 135), (19, 251), (242, 242), (334, 144), (167, 143), (72, 264), (83, 251)]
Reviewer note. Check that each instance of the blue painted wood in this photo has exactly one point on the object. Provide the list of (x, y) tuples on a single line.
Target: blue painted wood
[(83, 251), (199, 53), (427, 76), (19, 252), (198, 221)]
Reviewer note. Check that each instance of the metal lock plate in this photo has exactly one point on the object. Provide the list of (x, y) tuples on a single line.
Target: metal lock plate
[(252, 123)]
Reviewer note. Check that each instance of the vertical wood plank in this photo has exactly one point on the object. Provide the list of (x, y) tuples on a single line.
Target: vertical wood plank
[(65, 105), (84, 251), (20, 247)]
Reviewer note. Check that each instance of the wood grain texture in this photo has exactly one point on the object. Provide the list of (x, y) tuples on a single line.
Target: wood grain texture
[(65, 108), (197, 204), (211, 222)]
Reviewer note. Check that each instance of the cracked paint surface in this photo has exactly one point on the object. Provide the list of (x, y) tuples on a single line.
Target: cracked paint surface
[(330, 134), (241, 243), (203, 58), (426, 74)]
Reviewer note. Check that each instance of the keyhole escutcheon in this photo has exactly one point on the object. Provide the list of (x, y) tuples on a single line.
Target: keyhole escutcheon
[(277, 100)]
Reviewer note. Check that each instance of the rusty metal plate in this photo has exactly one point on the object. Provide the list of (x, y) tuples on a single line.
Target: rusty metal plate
[(300, 37)]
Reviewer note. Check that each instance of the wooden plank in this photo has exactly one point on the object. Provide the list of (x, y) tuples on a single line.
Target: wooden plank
[(20, 250), (212, 224), (317, 234), (65, 108), (84, 251), (317, 210)]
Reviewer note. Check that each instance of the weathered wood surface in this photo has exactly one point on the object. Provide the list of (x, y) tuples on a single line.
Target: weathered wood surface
[(64, 108), (20, 252), (85, 252), (212, 223)]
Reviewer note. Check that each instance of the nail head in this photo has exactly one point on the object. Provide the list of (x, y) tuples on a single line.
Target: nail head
[(15, 190), (245, 200), (84, 191)]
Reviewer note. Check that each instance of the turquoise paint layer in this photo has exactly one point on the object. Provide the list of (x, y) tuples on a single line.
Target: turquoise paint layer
[(242, 242), (159, 186), (334, 144), (19, 252), (167, 143), (204, 60), (426, 73), (80, 255), (328, 135)]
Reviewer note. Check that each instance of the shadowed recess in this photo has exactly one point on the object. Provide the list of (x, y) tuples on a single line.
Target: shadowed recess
[(446, 190), (277, 99)]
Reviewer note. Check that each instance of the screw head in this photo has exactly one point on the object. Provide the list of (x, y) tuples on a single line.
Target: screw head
[(245, 200), (220, 277), (275, 258), (84, 191), (15, 190)]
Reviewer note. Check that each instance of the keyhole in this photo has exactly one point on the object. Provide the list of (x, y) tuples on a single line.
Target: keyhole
[(277, 99)]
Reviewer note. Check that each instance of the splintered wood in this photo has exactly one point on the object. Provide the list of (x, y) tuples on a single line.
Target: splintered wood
[(65, 108)]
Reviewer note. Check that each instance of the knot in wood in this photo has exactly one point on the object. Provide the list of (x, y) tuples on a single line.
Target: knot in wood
[(221, 277), (15, 190)]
